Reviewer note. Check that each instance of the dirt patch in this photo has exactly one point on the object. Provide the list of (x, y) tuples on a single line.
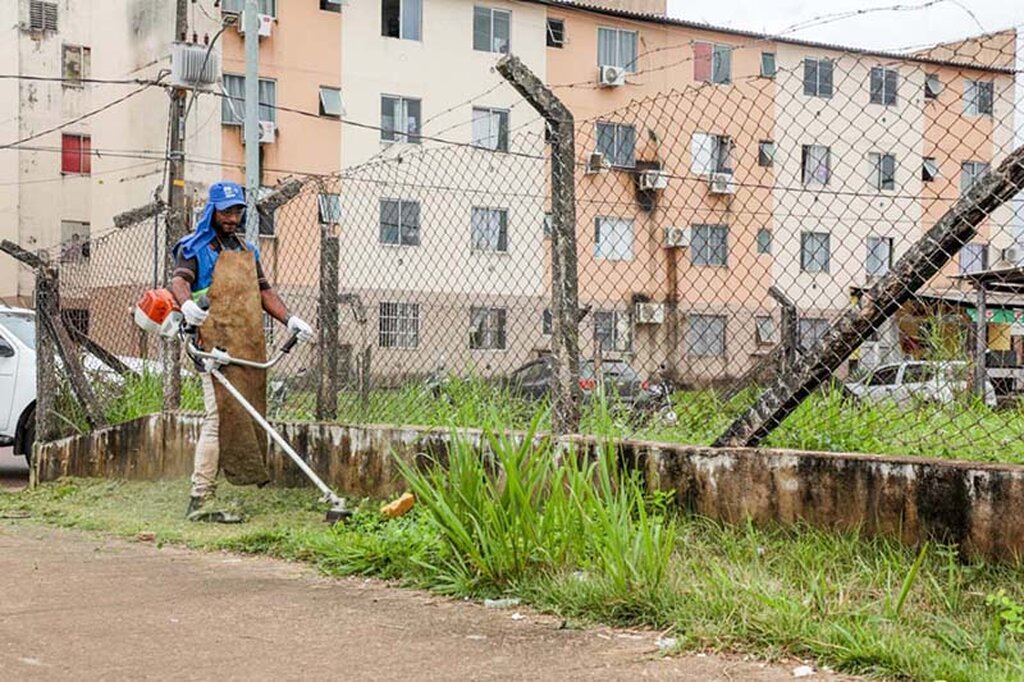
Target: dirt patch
[(86, 606)]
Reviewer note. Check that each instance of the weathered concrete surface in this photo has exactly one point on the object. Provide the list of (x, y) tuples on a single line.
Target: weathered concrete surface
[(90, 608), (976, 506)]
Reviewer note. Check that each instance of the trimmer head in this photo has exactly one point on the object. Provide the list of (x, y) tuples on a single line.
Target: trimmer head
[(336, 514)]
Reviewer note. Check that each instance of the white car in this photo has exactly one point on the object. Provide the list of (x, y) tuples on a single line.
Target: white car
[(18, 379), (907, 382)]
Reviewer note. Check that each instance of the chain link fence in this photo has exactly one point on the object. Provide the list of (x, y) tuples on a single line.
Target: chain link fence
[(822, 255)]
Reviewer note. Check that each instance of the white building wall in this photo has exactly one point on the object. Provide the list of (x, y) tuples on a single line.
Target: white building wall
[(850, 208)]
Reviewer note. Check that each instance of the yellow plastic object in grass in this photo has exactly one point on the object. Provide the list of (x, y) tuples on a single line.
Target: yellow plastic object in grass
[(399, 507)]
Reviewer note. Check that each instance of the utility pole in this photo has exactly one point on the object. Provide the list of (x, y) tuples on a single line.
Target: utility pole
[(176, 215), (251, 23)]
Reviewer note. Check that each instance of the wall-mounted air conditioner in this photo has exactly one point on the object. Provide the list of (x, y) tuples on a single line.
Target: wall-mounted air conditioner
[(649, 313), (596, 163), (721, 183), (676, 237), (266, 24), (611, 76), (268, 132), (653, 179)]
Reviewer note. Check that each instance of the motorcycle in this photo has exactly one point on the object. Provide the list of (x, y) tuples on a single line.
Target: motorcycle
[(654, 406)]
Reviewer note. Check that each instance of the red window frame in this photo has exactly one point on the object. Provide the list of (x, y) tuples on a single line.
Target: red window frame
[(76, 154)]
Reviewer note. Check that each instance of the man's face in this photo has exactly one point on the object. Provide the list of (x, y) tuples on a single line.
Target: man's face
[(228, 220)]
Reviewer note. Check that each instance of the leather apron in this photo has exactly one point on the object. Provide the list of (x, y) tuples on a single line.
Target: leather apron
[(236, 325)]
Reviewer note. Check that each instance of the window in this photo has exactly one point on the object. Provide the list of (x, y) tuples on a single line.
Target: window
[(978, 97), (705, 336), (74, 241), (401, 19), (712, 63), (884, 84), (399, 222), (236, 7), (918, 374), (611, 331), (399, 119), (816, 165), (491, 29), (489, 229), (815, 252), (764, 241), (328, 208), (884, 376), (764, 330), (42, 16), (556, 33), (768, 68), (710, 154), (818, 77), (76, 64), (399, 325), (487, 328), (490, 129), (233, 105), (811, 330), (879, 256), (883, 171), (970, 173), (613, 239), (973, 258), (932, 86), (330, 102), (331, 5), (617, 142), (709, 245), (765, 153), (547, 323), (76, 154), (929, 169), (617, 47)]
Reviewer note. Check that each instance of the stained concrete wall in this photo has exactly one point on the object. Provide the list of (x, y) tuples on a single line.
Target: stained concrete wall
[(976, 506)]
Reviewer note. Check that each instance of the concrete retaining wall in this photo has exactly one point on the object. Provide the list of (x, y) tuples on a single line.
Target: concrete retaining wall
[(976, 506)]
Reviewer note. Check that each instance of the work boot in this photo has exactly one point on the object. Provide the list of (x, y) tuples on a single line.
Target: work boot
[(197, 513)]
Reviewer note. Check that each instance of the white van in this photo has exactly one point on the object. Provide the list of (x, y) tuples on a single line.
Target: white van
[(18, 379)]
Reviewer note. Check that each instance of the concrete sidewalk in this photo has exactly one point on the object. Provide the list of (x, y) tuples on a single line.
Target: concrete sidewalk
[(83, 606)]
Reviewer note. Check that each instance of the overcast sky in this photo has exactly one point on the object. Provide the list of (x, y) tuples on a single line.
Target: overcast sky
[(919, 22)]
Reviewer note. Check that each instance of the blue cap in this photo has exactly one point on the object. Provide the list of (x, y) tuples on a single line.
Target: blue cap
[(225, 194)]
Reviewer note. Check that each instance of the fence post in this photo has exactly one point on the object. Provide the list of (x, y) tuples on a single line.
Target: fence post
[(565, 345), (47, 428), (790, 326), (327, 380), (922, 262), (980, 341), (174, 229)]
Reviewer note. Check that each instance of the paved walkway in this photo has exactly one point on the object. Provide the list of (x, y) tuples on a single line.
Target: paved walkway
[(83, 606)]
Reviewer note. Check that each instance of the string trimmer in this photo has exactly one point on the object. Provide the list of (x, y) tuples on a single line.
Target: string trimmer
[(158, 313)]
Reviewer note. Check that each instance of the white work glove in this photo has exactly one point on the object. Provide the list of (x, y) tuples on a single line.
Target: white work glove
[(299, 327), (194, 315)]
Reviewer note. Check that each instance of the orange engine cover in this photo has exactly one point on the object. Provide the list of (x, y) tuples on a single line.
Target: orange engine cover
[(157, 312)]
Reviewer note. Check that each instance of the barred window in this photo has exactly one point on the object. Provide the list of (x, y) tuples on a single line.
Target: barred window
[(811, 330), (884, 85), (399, 325), (818, 77), (399, 222), (815, 252), (709, 245), (489, 229), (883, 168), (617, 142), (978, 97), (613, 239), (705, 336), (879, 256), (611, 331), (487, 328)]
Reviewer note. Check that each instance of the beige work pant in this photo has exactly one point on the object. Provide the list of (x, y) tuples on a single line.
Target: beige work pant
[(207, 459)]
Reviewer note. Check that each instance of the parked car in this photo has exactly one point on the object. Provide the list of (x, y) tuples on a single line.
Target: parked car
[(17, 379), (532, 381), (905, 382)]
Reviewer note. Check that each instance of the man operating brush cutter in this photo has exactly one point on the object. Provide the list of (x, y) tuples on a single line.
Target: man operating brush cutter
[(215, 263)]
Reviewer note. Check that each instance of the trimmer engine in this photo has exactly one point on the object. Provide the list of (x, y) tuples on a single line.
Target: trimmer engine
[(158, 313)]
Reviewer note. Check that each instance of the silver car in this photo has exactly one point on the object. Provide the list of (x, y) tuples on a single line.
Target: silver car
[(907, 382)]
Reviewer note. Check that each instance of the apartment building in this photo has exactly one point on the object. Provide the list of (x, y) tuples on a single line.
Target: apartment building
[(804, 167)]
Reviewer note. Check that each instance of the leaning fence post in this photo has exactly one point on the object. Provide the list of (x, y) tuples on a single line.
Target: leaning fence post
[(174, 229), (980, 342), (47, 428), (922, 262), (327, 344), (565, 346)]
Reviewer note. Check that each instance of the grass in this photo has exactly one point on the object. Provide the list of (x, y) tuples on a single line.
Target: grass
[(579, 538)]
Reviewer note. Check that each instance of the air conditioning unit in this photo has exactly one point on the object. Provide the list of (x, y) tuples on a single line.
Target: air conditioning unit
[(676, 237), (596, 163), (268, 132), (649, 313), (193, 67), (611, 76), (1012, 255), (721, 183), (266, 24), (653, 179)]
